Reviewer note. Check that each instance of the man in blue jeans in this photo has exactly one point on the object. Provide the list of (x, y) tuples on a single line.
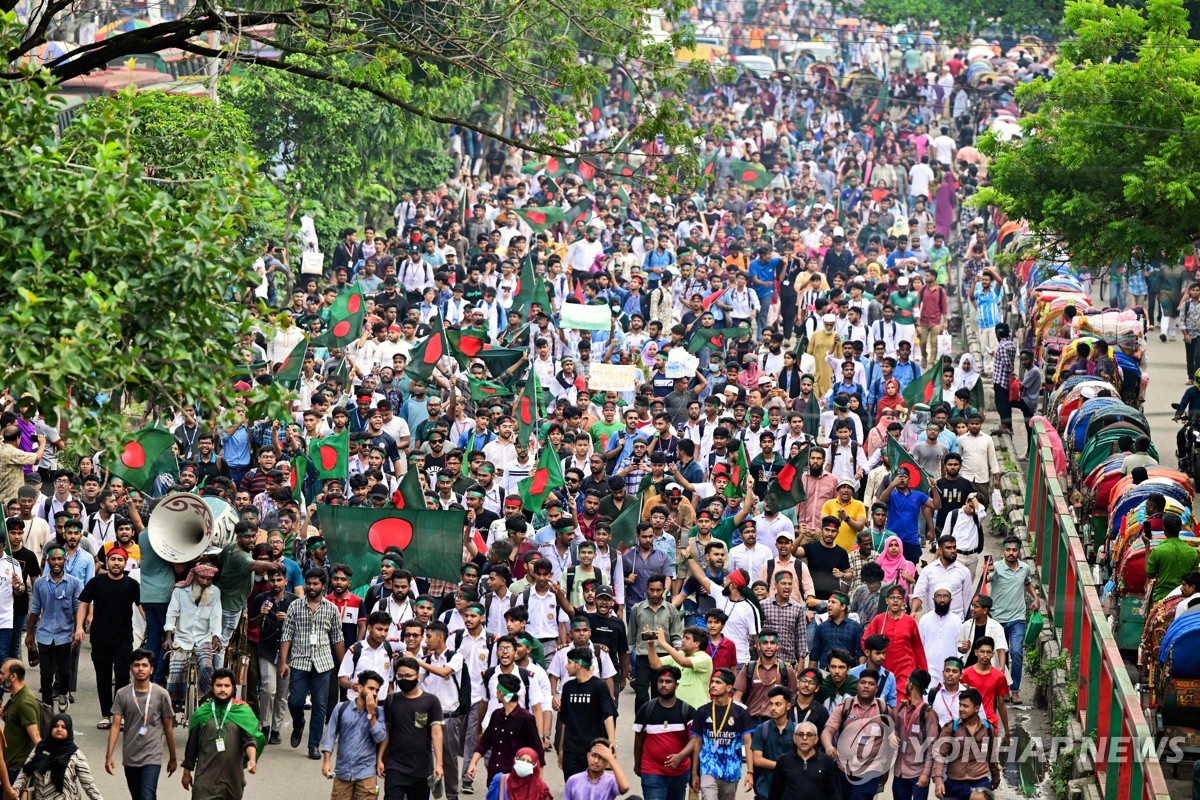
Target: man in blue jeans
[(310, 646), (1010, 584), (762, 279)]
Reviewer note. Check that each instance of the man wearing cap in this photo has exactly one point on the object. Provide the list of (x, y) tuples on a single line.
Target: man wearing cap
[(945, 569), (106, 605), (939, 630), (965, 524), (851, 513), (824, 342)]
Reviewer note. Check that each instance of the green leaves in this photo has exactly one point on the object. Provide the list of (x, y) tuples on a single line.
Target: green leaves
[(1109, 160), (118, 282)]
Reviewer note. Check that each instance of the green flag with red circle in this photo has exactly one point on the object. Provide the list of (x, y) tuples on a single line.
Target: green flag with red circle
[(423, 358), (431, 541), (786, 489), (531, 289), (289, 369), (330, 456), (714, 337), (482, 390), (345, 319), (298, 469), (139, 458), (924, 388), (750, 174), (901, 460), (467, 343), (410, 495), (528, 409), (739, 468), (539, 218), (547, 476)]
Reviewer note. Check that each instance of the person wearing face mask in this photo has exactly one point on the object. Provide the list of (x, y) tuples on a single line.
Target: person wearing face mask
[(412, 751), (523, 783)]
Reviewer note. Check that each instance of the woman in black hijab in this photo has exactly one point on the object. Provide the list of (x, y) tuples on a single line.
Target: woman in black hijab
[(57, 769)]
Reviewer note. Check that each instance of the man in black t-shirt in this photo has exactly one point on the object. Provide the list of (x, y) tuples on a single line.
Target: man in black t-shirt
[(826, 561), (608, 631), (587, 713), (953, 488), (30, 568), (412, 750), (108, 601)]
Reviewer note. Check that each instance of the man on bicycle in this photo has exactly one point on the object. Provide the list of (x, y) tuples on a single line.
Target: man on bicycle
[(193, 629)]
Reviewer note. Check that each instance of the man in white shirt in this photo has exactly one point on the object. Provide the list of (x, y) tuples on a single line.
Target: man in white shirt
[(547, 621), (374, 652), (581, 636), (582, 252), (979, 462), (945, 570), (750, 555), (965, 524), (919, 178), (944, 147), (939, 631)]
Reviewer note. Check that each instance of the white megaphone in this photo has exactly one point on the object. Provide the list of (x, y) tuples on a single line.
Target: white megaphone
[(183, 526)]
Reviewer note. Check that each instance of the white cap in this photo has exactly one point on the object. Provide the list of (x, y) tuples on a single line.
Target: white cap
[(828, 318), (764, 379), (902, 280)]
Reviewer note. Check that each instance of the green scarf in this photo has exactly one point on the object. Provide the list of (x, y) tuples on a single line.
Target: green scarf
[(240, 714)]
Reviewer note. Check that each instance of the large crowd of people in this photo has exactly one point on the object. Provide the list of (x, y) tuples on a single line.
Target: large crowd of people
[(767, 643)]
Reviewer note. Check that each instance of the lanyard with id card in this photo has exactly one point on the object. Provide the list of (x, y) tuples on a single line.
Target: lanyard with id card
[(220, 738)]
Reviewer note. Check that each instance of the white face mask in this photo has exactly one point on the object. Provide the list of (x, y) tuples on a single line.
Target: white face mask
[(523, 769)]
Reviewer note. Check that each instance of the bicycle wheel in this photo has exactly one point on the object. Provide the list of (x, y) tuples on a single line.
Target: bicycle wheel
[(192, 697)]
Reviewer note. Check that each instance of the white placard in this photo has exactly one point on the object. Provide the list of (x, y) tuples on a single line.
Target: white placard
[(612, 378), (579, 317), (681, 364), (312, 263)]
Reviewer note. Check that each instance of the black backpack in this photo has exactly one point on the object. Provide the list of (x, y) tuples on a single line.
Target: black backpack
[(464, 686), (356, 650), (521, 671)]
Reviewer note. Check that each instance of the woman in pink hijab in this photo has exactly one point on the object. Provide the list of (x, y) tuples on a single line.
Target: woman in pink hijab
[(896, 568)]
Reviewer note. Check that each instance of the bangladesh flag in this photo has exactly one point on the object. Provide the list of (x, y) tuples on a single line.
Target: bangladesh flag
[(499, 359), (142, 457), (708, 169), (299, 468), (289, 369), (580, 213), (587, 169), (739, 468), (530, 289), (528, 409), (707, 302), (540, 217), (787, 489), (467, 343), (547, 477), (715, 338), (486, 390), (924, 388), (410, 495), (624, 170), (553, 166), (751, 174), (976, 401), (331, 456), (425, 356), (901, 459), (239, 714), (624, 527), (432, 541), (345, 320)]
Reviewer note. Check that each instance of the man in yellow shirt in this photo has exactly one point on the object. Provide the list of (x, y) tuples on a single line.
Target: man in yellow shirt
[(851, 512)]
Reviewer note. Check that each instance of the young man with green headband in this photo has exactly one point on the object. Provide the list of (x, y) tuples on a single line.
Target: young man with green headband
[(587, 712)]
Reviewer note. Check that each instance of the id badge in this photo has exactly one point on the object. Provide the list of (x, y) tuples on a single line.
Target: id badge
[(314, 640), (220, 745), (873, 730), (143, 730)]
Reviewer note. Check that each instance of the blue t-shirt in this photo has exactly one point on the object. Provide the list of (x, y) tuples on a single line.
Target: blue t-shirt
[(904, 513), (764, 271), (721, 739)]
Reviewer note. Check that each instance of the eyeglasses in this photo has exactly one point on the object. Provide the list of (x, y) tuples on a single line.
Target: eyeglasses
[(805, 734), (410, 635)]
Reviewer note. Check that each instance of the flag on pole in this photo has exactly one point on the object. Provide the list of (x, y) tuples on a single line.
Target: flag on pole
[(751, 174), (141, 457), (409, 495), (530, 289), (739, 468), (487, 390), (424, 357), (787, 488), (289, 369), (345, 319), (923, 388), (547, 476), (580, 213), (541, 217), (529, 409), (715, 338), (299, 468), (331, 456), (624, 527), (901, 460)]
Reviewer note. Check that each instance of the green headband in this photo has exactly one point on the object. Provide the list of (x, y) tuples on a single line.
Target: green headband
[(843, 599), (724, 677), (57, 547)]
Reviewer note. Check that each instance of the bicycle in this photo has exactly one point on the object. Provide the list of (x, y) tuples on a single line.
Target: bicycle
[(191, 675)]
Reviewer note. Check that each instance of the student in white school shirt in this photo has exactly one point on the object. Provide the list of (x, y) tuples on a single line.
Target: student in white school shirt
[(581, 636), (749, 555), (547, 620), (374, 652)]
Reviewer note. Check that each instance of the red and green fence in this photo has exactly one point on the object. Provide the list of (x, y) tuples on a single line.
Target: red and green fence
[(1108, 706)]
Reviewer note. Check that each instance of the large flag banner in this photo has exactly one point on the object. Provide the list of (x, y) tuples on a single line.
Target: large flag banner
[(547, 476), (787, 488), (331, 456), (924, 388), (539, 218), (345, 319), (141, 457), (739, 468), (715, 338), (431, 541), (624, 527), (486, 390), (751, 174), (900, 459), (499, 360)]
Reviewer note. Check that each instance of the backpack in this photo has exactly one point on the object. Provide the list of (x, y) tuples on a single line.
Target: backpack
[(356, 650), (45, 715), (487, 604), (752, 669), (569, 575), (525, 678), (464, 687), (880, 705), (952, 520)]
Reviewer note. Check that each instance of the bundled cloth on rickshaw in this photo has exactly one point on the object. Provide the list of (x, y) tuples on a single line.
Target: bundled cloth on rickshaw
[(1123, 330)]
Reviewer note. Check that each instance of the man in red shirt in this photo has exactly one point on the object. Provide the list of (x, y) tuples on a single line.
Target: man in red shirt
[(661, 741), (721, 649), (989, 682), (905, 650)]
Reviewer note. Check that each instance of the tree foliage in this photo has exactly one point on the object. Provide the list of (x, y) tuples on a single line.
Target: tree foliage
[(1109, 159), (116, 287), (417, 53)]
